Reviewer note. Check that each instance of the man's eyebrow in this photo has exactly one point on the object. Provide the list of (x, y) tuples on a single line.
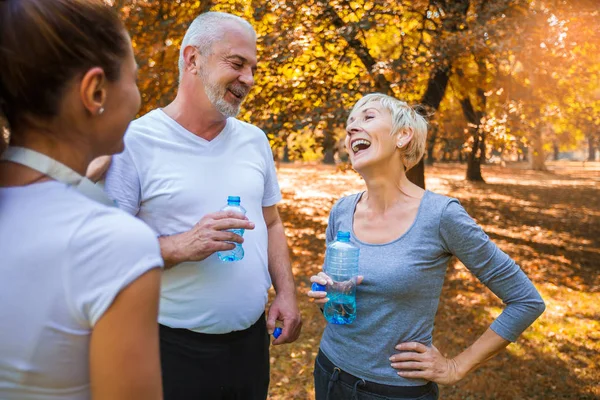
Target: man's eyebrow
[(236, 56), (242, 59)]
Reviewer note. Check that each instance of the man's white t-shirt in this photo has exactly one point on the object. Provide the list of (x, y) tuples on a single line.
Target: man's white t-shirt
[(170, 178), (63, 260)]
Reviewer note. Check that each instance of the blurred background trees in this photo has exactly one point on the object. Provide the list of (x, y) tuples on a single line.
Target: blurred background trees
[(508, 80), (503, 80)]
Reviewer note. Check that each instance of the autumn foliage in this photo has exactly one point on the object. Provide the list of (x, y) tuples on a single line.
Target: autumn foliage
[(503, 79)]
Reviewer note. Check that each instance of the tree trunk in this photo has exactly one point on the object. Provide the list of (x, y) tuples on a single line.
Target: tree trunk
[(482, 149), (430, 159), (524, 154), (328, 156), (474, 169), (328, 144), (436, 89), (555, 151), (591, 148), (478, 149), (438, 82), (536, 151), (286, 154), (417, 174), (430, 146)]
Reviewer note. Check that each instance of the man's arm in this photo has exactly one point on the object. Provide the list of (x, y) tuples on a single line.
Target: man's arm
[(284, 306), (208, 236)]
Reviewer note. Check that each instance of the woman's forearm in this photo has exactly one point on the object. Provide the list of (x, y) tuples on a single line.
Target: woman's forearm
[(485, 347)]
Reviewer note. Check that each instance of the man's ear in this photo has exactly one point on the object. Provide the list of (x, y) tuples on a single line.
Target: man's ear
[(93, 90), (191, 59)]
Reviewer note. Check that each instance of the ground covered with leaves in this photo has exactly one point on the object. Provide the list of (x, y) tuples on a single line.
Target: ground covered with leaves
[(549, 222)]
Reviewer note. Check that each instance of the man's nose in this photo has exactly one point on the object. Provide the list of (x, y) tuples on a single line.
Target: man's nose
[(247, 77)]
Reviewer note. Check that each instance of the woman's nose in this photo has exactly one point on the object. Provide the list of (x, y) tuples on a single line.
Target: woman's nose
[(352, 128)]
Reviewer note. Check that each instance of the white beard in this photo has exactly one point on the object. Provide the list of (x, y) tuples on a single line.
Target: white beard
[(216, 95)]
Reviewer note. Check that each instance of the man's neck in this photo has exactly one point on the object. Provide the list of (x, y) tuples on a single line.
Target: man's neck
[(200, 119)]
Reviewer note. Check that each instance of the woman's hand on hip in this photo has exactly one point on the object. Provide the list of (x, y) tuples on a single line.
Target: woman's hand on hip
[(417, 361)]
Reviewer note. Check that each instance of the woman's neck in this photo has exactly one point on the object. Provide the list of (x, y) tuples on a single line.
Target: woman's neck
[(387, 187), (67, 149)]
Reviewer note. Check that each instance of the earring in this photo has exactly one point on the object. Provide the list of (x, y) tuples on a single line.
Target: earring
[(400, 144), (101, 111)]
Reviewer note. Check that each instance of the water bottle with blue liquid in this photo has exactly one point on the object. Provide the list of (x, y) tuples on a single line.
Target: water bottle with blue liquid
[(233, 204), (341, 265)]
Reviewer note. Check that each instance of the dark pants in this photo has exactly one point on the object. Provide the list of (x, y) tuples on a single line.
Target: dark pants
[(331, 383), (231, 366)]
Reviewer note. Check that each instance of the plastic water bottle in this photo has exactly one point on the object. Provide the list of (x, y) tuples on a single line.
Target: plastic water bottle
[(233, 204), (341, 265)]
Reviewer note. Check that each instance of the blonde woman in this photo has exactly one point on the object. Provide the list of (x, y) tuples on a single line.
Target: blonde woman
[(406, 237)]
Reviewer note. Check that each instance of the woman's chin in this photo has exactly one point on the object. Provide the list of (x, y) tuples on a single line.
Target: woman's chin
[(359, 164), (368, 165)]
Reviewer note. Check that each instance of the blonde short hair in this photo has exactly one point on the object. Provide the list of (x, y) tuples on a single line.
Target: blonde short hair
[(403, 116)]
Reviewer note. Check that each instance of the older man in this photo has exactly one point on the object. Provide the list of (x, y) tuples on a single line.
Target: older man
[(180, 164)]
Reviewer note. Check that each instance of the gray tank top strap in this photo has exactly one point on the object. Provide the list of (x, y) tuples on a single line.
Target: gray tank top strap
[(57, 171)]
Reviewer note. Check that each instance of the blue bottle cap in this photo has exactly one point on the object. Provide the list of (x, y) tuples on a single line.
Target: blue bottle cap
[(277, 332), (317, 287), (343, 236), (233, 199)]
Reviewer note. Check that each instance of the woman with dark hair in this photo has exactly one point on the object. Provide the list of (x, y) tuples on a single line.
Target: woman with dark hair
[(79, 279)]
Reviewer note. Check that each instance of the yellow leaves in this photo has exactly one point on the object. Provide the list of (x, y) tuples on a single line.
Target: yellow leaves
[(270, 18), (289, 72), (309, 71), (332, 47)]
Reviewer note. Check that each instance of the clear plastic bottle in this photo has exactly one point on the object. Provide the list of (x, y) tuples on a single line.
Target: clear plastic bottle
[(341, 265), (233, 204)]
